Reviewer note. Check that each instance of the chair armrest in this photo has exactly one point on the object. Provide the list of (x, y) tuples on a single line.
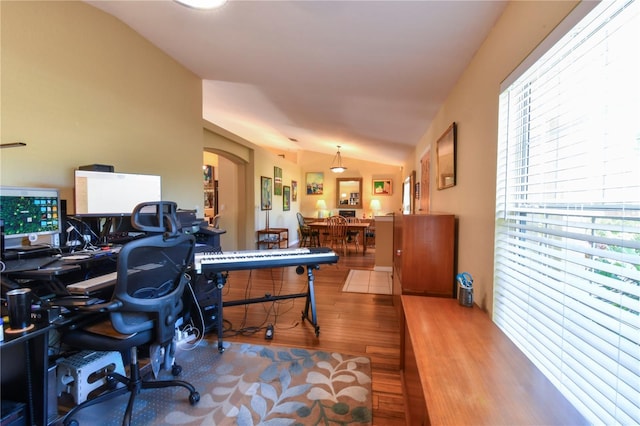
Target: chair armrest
[(102, 307)]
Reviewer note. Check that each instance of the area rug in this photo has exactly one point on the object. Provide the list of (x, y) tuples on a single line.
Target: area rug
[(367, 281), (253, 385)]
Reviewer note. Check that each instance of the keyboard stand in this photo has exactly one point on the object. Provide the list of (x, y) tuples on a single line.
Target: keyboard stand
[(309, 313), (311, 300)]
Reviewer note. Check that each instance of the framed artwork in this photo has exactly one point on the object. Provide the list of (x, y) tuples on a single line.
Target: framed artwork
[(265, 193), (382, 187), (277, 181), (446, 158), (208, 175), (425, 180), (314, 183), (408, 194), (286, 198), (294, 191)]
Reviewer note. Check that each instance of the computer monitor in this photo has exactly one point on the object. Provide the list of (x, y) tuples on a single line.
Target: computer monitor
[(105, 194), (29, 212)]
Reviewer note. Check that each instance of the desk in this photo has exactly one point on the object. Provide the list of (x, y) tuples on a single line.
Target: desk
[(459, 368), (273, 237), (56, 276), (360, 227), (24, 371), (24, 357)]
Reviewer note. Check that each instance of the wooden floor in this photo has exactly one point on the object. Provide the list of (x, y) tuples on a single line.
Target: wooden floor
[(352, 323)]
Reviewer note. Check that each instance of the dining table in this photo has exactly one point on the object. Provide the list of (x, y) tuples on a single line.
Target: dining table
[(361, 227)]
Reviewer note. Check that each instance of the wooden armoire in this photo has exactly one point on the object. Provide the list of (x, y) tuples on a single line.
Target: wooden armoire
[(424, 254)]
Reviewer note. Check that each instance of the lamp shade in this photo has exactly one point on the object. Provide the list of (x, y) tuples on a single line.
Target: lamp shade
[(321, 206), (375, 206)]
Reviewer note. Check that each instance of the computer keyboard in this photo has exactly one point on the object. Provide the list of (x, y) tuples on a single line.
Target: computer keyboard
[(30, 264), (92, 285)]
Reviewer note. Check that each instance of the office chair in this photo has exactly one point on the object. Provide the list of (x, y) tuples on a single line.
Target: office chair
[(147, 301)]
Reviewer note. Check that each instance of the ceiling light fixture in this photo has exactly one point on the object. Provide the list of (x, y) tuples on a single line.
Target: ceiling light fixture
[(202, 4), (336, 166)]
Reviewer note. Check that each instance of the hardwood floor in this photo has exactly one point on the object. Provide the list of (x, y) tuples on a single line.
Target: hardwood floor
[(353, 323)]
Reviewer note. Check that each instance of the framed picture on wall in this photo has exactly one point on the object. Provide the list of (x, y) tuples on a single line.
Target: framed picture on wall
[(381, 187), (277, 181), (286, 198), (314, 183), (294, 191), (446, 158), (265, 193), (208, 175)]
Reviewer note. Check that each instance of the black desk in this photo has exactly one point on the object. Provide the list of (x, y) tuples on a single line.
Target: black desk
[(24, 365), (57, 275), (24, 357)]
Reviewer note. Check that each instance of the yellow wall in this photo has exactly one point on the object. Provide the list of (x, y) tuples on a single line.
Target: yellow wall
[(79, 87), (473, 105)]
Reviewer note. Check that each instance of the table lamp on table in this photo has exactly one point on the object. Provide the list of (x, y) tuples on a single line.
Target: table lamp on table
[(321, 206), (375, 207)]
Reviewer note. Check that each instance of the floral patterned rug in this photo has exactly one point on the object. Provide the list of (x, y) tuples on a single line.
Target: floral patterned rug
[(253, 385)]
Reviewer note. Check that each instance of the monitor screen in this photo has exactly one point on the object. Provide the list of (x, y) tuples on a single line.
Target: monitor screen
[(113, 194), (29, 212)]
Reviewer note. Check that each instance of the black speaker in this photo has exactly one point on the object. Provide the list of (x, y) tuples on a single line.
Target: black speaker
[(64, 224), (97, 168), (1, 239)]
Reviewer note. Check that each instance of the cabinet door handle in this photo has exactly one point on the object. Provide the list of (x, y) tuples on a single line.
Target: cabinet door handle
[(398, 252)]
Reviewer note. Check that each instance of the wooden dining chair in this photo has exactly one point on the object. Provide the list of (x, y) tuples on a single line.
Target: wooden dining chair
[(353, 235), (337, 227)]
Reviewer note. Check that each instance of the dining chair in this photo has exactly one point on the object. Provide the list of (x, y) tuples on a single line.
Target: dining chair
[(337, 227), (308, 237), (370, 235), (353, 235)]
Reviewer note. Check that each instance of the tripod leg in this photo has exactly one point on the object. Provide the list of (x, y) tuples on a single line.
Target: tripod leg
[(220, 282), (311, 300)]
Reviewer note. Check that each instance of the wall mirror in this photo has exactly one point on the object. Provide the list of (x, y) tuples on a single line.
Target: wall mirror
[(349, 193), (446, 158)]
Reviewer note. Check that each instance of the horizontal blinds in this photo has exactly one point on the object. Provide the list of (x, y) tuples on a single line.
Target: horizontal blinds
[(567, 245)]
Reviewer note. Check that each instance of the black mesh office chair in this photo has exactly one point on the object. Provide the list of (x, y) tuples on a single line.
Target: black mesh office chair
[(147, 301)]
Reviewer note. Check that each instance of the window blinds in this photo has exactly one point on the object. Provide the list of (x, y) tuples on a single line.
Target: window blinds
[(567, 243)]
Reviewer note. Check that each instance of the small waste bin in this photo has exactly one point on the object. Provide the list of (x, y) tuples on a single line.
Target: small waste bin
[(465, 289)]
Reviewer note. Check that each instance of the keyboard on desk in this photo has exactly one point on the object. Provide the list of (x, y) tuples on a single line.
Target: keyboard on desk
[(92, 285), (29, 264)]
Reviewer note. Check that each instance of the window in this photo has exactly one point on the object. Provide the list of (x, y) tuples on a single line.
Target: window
[(567, 244)]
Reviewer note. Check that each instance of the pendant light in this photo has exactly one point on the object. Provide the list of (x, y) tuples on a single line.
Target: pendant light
[(336, 166), (202, 4)]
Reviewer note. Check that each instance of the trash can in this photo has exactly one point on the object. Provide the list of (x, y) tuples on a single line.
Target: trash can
[(465, 289)]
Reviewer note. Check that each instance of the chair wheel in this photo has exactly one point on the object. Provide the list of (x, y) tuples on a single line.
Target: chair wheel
[(111, 382), (194, 397), (71, 422), (176, 370)]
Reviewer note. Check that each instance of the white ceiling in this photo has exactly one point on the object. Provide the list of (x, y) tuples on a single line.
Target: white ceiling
[(366, 75)]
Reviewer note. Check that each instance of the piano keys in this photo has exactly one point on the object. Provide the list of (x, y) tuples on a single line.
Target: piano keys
[(215, 266), (256, 259)]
